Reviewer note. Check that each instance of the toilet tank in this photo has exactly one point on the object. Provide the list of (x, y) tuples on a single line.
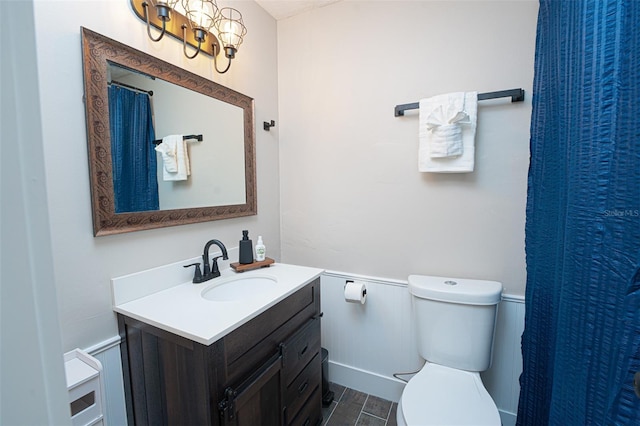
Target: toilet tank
[(455, 320)]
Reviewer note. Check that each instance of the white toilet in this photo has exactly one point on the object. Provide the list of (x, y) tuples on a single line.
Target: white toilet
[(455, 321)]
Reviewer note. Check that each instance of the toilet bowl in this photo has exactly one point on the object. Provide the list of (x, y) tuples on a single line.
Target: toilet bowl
[(455, 322)]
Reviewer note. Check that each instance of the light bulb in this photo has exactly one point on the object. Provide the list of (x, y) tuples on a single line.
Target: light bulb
[(201, 18), (229, 33), (230, 27), (201, 13)]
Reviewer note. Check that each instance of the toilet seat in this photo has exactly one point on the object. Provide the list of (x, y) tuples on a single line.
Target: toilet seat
[(440, 395)]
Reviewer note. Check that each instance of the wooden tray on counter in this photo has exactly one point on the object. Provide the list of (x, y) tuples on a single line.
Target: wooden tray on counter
[(239, 267)]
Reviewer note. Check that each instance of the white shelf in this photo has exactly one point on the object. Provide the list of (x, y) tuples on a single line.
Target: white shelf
[(85, 387)]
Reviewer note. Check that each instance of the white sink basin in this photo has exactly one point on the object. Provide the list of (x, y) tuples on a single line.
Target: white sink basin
[(241, 288)]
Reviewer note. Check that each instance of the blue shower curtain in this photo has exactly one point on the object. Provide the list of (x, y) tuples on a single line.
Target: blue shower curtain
[(133, 155), (581, 344)]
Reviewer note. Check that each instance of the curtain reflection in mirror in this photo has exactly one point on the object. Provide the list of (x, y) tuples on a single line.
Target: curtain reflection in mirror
[(133, 156)]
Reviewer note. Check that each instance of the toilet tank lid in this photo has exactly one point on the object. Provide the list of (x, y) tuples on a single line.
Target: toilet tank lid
[(455, 290)]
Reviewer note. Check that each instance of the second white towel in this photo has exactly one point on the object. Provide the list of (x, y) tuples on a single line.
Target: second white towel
[(447, 132), (175, 158)]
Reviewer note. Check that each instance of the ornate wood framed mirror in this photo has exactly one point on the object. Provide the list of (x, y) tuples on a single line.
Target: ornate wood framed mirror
[(222, 180)]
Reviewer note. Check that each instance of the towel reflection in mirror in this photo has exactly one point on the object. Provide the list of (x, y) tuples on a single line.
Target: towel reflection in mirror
[(175, 158)]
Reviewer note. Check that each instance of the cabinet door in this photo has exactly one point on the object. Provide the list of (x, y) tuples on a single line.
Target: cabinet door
[(165, 376), (258, 401)]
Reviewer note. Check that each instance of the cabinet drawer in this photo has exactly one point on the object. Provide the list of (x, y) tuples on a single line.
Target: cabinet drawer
[(311, 413), (252, 344), (300, 349), (303, 386)]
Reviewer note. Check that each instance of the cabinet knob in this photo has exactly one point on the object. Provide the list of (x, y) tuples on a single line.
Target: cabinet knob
[(302, 352), (303, 387)]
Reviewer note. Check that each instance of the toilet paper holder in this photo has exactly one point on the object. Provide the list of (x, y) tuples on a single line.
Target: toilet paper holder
[(355, 292), (364, 292)]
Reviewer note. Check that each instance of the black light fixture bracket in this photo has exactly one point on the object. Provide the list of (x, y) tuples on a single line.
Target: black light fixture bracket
[(174, 27)]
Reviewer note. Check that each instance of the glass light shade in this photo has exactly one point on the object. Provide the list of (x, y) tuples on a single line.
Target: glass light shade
[(230, 27), (201, 14)]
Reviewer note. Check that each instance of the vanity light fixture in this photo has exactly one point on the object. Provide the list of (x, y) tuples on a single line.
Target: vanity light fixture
[(164, 9), (213, 29)]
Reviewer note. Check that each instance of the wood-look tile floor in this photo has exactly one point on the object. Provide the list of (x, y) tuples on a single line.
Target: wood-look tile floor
[(350, 407)]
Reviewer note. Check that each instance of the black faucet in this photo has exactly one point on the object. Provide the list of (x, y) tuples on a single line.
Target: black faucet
[(205, 259), (208, 271)]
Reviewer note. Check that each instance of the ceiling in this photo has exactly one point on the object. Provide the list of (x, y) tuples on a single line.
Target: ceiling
[(281, 9)]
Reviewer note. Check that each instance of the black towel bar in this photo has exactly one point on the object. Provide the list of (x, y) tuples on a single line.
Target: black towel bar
[(186, 137), (516, 95)]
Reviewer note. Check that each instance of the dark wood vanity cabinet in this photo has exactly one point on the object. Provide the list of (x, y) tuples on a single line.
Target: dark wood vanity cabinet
[(266, 372)]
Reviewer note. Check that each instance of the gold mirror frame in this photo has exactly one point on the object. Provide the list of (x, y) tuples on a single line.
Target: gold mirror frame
[(97, 52)]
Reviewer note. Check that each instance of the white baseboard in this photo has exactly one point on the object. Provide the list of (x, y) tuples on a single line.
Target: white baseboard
[(388, 388)]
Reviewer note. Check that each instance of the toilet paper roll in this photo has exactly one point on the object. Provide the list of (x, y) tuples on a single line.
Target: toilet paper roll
[(355, 292)]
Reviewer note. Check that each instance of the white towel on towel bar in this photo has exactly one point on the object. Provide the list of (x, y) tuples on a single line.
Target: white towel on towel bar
[(175, 158), (168, 152), (447, 129)]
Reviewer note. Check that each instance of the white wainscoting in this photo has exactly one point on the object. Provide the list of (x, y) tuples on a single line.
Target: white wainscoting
[(368, 343), (502, 380), (108, 353)]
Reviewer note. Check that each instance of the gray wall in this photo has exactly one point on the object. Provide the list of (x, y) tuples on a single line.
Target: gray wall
[(83, 265), (352, 197)]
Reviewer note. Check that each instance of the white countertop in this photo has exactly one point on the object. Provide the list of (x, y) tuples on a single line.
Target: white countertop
[(181, 309)]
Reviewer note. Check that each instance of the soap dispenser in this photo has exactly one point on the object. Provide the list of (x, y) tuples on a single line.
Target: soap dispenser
[(246, 249), (261, 251)]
